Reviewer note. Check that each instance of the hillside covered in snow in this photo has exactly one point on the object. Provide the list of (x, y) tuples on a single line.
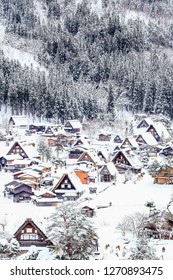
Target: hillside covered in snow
[(72, 59)]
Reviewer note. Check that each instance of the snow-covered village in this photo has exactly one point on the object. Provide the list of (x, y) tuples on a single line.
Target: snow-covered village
[(86, 130), (118, 181)]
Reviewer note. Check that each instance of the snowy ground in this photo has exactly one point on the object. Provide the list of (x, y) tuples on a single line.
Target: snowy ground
[(126, 199)]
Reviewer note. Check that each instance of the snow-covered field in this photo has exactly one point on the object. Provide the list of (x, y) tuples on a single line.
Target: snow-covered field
[(125, 198)]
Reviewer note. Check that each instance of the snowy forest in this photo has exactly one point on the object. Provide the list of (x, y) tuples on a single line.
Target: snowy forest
[(94, 57)]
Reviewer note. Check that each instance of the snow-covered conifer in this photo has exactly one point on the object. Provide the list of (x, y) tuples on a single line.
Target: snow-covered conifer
[(71, 232), (143, 250)]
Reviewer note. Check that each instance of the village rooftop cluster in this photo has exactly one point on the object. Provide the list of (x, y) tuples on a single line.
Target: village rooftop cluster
[(81, 167)]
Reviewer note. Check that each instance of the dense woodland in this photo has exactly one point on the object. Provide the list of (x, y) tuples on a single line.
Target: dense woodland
[(95, 62)]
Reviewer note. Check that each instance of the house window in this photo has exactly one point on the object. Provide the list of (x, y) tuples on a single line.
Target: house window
[(106, 178), (29, 237), (29, 230)]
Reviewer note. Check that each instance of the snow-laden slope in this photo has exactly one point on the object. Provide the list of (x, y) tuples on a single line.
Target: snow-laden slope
[(40, 12), (25, 51), (23, 57), (2, 33), (127, 199)]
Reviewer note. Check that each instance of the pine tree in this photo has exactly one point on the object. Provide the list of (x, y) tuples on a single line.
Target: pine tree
[(9, 249), (110, 104), (44, 150), (143, 250), (154, 167), (71, 232)]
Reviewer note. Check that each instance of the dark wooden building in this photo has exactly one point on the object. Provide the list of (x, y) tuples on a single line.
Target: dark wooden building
[(118, 139), (104, 137), (68, 184), (126, 161), (19, 191), (30, 234), (72, 126)]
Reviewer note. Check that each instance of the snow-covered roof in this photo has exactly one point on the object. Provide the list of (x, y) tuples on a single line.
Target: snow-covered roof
[(149, 138), (42, 192), (162, 131), (111, 168), (12, 184), (31, 151), (131, 157), (47, 199), (132, 141), (93, 155), (74, 180), (24, 161), (87, 203), (105, 152), (13, 157), (30, 173), (19, 120), (70, 193), (148, 120), (85, 144), (103, 132), (78, 147), (74, 123), (29, 182), (45, 165)]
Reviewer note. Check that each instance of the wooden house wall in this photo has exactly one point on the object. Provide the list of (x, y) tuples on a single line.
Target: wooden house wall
[(117, 139), (16, 149), (22, 188), (85, 157), (68, 128), (22, 196), (89, 212), (153, 132), (164, 176), (120, 158), (29, 235), (31, 178), (66, 184), (105, 175), (140, 139), (45, 203), (75, 154), (143, 123), (47, 195), (103, 137)]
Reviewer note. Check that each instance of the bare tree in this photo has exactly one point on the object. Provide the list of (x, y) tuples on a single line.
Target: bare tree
[(133, 223)]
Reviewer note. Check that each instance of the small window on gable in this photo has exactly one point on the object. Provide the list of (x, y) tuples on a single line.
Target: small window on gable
[(29, 230)]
